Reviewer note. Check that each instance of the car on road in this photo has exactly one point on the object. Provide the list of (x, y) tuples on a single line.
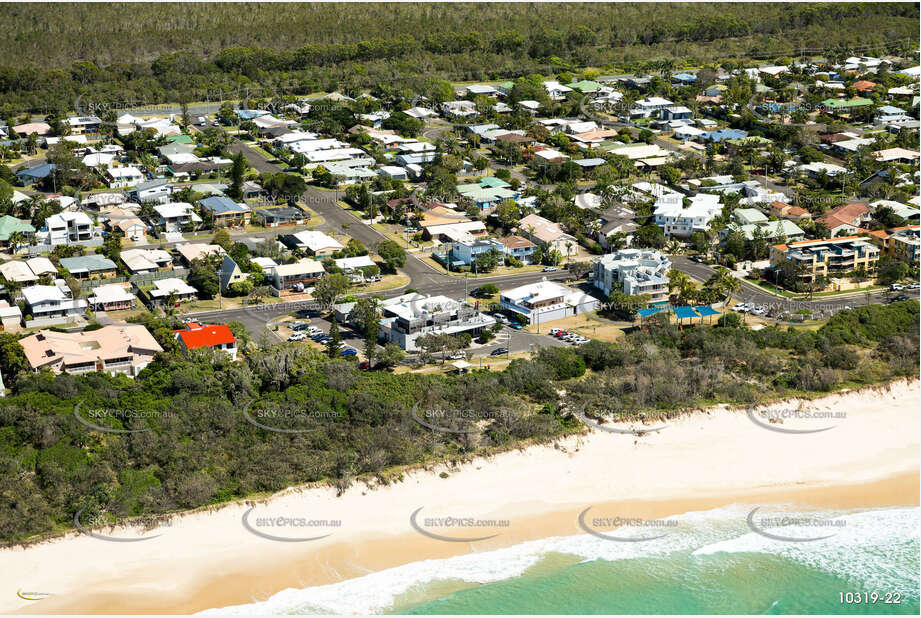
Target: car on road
[(348, 352), (458, 356), (899, 298), (502, 319), (515, 325), (499, 352), (550, 269)]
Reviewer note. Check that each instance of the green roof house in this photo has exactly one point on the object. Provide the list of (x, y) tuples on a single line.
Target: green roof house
[(585, 86), (10, 225), (836, 104)]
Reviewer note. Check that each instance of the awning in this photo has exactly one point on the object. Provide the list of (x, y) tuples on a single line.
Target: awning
[(685, 312), (645, 313), (706, 310), (461, 365)]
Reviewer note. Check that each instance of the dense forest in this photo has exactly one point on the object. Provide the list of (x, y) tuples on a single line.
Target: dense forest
[(151, 53), (188, 437)]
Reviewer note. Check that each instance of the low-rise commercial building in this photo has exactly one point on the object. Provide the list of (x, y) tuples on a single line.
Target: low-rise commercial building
[(405, 322)]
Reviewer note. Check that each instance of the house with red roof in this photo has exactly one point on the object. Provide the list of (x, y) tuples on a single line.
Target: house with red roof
[(215, 336), (848, 218)]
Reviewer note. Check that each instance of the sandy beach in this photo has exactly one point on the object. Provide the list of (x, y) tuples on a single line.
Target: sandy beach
[(866, 454)]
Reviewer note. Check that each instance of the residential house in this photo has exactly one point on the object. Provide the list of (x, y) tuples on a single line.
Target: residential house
[(828, 257), (176, 216), (118, 349), (67, 227), (197, 336), (112, 297), (676, 112), (126, 222), (314, 243), (163, 289), (81, 125), (143, 261), (10, 225), (229, 273), (226, 212), (51, 301), (89, 266), (156, 191), (897, 155), (281, 216), (297, 276), (190, 252), (788, 211), (35, 174), (17, 272), (353, 267), (545, 301), (519, 248), (633, 272), (848, 218), (466, 251), (121, 177), (547, 234)]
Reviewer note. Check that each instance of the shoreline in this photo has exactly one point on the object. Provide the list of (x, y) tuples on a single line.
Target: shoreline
[(702, 461)]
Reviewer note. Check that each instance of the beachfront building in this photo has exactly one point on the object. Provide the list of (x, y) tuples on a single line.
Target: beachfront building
[(119, 349), (405, 322), (901, 242), (545, 301), (297, 276), (634, 271), (828, 257), (197, 336)]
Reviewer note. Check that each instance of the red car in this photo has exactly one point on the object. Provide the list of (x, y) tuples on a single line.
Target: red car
[(561, 333)]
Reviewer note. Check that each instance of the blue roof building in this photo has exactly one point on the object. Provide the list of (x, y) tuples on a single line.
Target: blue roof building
[(724, 134), (39, 172)]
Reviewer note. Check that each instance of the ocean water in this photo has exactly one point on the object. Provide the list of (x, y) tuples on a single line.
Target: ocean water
[(709, 562)]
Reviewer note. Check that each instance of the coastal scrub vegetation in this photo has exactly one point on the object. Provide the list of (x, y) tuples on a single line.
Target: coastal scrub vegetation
[(199, 430)]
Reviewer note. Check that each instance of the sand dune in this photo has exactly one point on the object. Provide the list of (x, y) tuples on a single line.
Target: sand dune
[(867, 453)]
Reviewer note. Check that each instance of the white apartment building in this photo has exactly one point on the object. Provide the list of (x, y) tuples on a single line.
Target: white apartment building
[(635, 271)]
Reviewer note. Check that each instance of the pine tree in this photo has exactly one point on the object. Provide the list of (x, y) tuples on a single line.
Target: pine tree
[(334, 344)]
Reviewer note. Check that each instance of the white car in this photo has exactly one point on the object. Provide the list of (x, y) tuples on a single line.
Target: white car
[(297, 337), (458, 356), (551, 269), (897, 287), (740, 307)]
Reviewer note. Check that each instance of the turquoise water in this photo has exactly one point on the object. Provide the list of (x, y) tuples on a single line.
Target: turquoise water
[(740, 584), (710, 562)]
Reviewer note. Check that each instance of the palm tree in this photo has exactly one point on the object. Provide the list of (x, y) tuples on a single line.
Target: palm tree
[(15, 240)]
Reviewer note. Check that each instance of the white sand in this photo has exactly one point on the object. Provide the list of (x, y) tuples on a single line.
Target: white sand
[(713, 453)]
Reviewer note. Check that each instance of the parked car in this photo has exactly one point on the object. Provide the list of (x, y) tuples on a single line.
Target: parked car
[(499, 352), (550, 269), (897, 287), (515, 325), (364, 365), (740, 307), (458, 356), (297, 337), (554, 331), (348, 352), (914, 286)]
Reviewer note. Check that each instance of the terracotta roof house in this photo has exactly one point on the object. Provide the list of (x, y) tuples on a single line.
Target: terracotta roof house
[(196, 336), (122, 348), (789, 211), (864, 86), (848, 217)]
